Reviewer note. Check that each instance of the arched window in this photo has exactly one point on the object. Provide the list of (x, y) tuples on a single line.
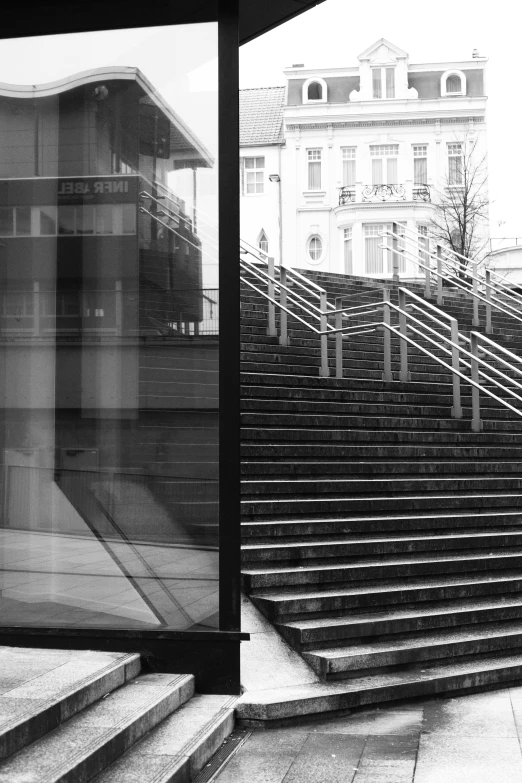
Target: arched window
[(453, 83), (315, 247), (315, 91), (263, 242)]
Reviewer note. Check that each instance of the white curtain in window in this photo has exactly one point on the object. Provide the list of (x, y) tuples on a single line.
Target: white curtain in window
[(420, 171), (390, 82), (373, 255), (455, 171), (348, 172), (376, 171), (348, 258), (377, 89), (391, 166), (314, 175)]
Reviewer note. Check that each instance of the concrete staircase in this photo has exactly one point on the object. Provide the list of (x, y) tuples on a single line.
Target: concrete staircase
[(95, 717), (382, 538)]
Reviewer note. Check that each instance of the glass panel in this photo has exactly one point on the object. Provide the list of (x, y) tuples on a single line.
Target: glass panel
[(390, 82), (420, 171), (377, 172), (109, 326), (314, 175), (376, 80)]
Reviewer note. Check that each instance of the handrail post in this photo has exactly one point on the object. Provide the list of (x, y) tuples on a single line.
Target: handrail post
[(476, 320), (387, 375), (403, 329), (427, 268), (489, 328), (338, 338), (324, 371), (456, 411), (395, 254), (271, 331), (476, 424), (439, 275), (283, 337)]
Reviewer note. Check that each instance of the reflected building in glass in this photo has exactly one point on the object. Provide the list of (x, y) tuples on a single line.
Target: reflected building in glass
[(108, 360)]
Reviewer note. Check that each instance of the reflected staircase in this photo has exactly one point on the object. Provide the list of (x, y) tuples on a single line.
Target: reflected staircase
[(382, 536)]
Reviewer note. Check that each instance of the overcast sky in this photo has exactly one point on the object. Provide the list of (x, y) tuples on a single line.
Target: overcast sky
[(335, 32)]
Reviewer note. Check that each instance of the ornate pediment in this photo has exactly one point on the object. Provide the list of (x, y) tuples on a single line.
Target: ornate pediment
[(383, 52)]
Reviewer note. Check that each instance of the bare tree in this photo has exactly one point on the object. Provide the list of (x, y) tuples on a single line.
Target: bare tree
[(461, 207)]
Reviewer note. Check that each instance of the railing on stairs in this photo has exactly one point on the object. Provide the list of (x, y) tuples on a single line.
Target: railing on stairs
[(477, 355), (447, 267)]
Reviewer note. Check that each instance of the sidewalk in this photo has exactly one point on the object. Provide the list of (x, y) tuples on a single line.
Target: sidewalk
[(468, 739)]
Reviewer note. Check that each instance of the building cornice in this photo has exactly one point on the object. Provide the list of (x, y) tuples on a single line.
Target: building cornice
[(293, 125)]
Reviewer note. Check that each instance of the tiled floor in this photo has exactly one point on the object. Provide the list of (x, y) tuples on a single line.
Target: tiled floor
[(53, 579), (468, 739)]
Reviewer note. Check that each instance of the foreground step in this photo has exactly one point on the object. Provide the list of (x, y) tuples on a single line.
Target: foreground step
[(46, 701), (257, 708), (336, 663), (86, 744), (177, 749)]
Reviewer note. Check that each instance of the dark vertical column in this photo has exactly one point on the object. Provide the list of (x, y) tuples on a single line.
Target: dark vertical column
[(229, 345)]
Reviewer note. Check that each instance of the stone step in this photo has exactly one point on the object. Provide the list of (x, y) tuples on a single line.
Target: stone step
[(326, 468), (374, 453), (494, 436), (352, 571), (177, 749), (330, 631), (341, 662), (261, 707), (372, 546), (305, 488), (301, 527), (325, 422), (281, 606), (368, 504), (83, 746), (46, 701)]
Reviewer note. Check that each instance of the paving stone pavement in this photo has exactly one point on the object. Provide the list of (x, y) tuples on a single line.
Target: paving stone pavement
[(467, 739)]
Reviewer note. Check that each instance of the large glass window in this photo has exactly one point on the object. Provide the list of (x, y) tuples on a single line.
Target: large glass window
[(348, 251), (384, 164), (420, 164), (455, 170), (109, 329), (314, 169), (348, 159), (253, 175)]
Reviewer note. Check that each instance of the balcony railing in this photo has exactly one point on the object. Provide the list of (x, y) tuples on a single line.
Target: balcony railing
[(383, 192)]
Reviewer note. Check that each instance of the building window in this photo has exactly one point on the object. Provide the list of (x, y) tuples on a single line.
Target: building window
[(68, 220), (253, 176), (424, 245), (314, 169), (263, 243), (375, 247), (383, 81), (453, 83), (348, 158), (315, 91), (384, 164), (315, 248), (420, 164), (348, 252), (455, 163)]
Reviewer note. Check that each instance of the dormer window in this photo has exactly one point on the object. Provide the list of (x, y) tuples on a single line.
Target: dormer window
[(314, 90), (453, 83), (383, 82)]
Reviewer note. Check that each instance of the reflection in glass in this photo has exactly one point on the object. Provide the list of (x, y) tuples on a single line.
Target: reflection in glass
[(109, 314)]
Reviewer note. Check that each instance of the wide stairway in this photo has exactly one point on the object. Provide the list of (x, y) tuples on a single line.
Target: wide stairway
[(382, 537), (70, 717)]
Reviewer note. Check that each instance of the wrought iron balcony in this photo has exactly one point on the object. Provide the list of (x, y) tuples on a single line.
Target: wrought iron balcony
[(350, 194), (391, 192), (421, 193), (346, 194)]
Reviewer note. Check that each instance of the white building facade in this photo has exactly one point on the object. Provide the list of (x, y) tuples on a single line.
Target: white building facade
[(362, 148)]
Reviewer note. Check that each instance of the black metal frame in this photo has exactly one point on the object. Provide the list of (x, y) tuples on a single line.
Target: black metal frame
[(212, 656)]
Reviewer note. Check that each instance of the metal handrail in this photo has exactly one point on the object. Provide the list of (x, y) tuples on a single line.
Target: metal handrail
[(451, 345)]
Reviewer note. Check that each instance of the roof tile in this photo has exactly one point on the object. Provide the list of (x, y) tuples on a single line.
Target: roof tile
[(261, 116)]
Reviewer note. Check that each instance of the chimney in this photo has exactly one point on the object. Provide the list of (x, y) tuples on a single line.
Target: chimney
[(298, 65), (475, 54)]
